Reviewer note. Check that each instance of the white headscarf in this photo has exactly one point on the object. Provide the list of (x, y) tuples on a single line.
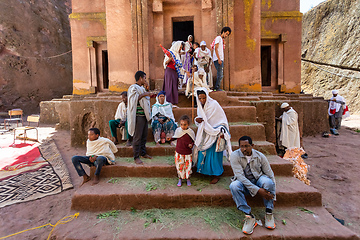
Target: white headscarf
[(340, 101), (164, 109), (214, 120), (175, 48)]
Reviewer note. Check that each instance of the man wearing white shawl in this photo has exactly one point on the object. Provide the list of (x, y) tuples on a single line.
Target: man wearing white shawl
[(138, 116), (290, 134), (119, 121), (212, 136), (99, 151), (336, 109), (162, 119), (174, 72)]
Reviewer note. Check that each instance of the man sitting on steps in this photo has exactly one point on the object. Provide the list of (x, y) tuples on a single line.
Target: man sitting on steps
[(252, 175), (99, 151)]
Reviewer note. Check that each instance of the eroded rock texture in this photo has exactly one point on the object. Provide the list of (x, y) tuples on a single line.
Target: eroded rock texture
[(331, 34), (31, 31)]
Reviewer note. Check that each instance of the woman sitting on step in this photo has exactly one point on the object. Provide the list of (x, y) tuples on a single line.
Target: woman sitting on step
[(163, 121), (212, 137)]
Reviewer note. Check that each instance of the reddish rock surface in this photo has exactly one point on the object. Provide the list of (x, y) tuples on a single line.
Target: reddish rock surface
[(31, 32)]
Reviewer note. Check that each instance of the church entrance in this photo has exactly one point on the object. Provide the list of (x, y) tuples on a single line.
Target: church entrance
[(182, 28), (266, 66)]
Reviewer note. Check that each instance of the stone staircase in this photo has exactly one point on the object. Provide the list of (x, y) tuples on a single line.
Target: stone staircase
[(132, 188)]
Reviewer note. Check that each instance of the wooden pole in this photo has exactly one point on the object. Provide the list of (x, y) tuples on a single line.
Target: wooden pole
[(192, 96)]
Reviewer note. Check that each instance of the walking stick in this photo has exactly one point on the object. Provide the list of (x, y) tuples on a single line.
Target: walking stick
[(192, 97)]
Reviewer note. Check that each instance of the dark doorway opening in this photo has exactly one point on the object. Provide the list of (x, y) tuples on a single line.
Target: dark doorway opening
[(266, 65), (105, 63), (182, 29)]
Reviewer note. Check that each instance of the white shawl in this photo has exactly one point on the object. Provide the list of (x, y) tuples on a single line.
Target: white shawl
[(290, 135), (214, 119), (134, 92), (175, 49), (101, 147), (121, 112), (164, 109), (336, 105), (179, 132)]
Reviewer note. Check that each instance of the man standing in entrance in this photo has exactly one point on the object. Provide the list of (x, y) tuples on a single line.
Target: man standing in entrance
[(218, 55)]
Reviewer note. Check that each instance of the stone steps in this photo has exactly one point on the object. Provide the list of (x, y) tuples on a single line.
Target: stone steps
[(164, 166), (147, 193), (265, 147), (233, 113), (237, 130), (208, 223)]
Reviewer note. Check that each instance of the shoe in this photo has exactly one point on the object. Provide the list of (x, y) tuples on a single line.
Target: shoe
[(269, 221), (179, 183), (249, 225), (188, 182), (215, 180), (138, 161), (128, 143), (147, 156)]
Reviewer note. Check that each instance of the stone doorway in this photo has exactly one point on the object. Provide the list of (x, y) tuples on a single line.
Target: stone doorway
[(266, 66), (182, 29), (105, 67)]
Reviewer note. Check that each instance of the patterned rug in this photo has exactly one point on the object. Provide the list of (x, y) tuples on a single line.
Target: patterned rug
[(30, 171)]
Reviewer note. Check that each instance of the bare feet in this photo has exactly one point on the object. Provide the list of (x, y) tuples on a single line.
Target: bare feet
[(86, 178), (157, 144), (215, 180), (138, 161), (172, 143), (147, 156), (96, 180)]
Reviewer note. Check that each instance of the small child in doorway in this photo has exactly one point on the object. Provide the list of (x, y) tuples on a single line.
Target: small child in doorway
[(185, 137)]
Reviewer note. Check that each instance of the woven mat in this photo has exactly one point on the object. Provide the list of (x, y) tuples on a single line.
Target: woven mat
[(38, 173)]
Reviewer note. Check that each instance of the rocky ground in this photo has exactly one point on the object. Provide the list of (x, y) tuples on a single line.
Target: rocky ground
[(333, 170)]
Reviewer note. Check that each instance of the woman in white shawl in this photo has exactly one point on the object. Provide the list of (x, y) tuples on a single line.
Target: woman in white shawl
[(199, 81), (212, 136), (173, 72), (163, 121)]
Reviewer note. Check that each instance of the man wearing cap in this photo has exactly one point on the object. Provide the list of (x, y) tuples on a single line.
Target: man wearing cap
[(335, 111), (290, 134), (203, 60)]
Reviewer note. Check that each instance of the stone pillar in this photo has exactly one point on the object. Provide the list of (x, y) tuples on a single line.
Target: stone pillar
[(245, 57), (127, 41)]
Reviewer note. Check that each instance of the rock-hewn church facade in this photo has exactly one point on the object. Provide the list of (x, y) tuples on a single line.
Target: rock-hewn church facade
[(112, 39)]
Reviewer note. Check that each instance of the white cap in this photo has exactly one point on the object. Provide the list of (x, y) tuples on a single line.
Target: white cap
[(335, 91), (284, 105), (201, 71), (203, 43)]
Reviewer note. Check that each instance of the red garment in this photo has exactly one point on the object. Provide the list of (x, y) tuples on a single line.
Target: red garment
[(171, 65), (333, 111), (182, 145)]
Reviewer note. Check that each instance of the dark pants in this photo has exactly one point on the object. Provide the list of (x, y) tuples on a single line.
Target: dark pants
[(99, 162), (335, 120), (140, 136)]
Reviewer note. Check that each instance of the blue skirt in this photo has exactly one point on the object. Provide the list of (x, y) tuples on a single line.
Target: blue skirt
[(211, 163)]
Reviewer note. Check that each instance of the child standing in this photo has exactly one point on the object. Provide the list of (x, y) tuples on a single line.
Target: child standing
[(183, 152)]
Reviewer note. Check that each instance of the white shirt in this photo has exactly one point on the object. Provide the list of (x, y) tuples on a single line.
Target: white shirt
[(219, 40), (121, 112)]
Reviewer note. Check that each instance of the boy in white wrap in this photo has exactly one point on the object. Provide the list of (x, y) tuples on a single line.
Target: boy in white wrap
[(99, 151)]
